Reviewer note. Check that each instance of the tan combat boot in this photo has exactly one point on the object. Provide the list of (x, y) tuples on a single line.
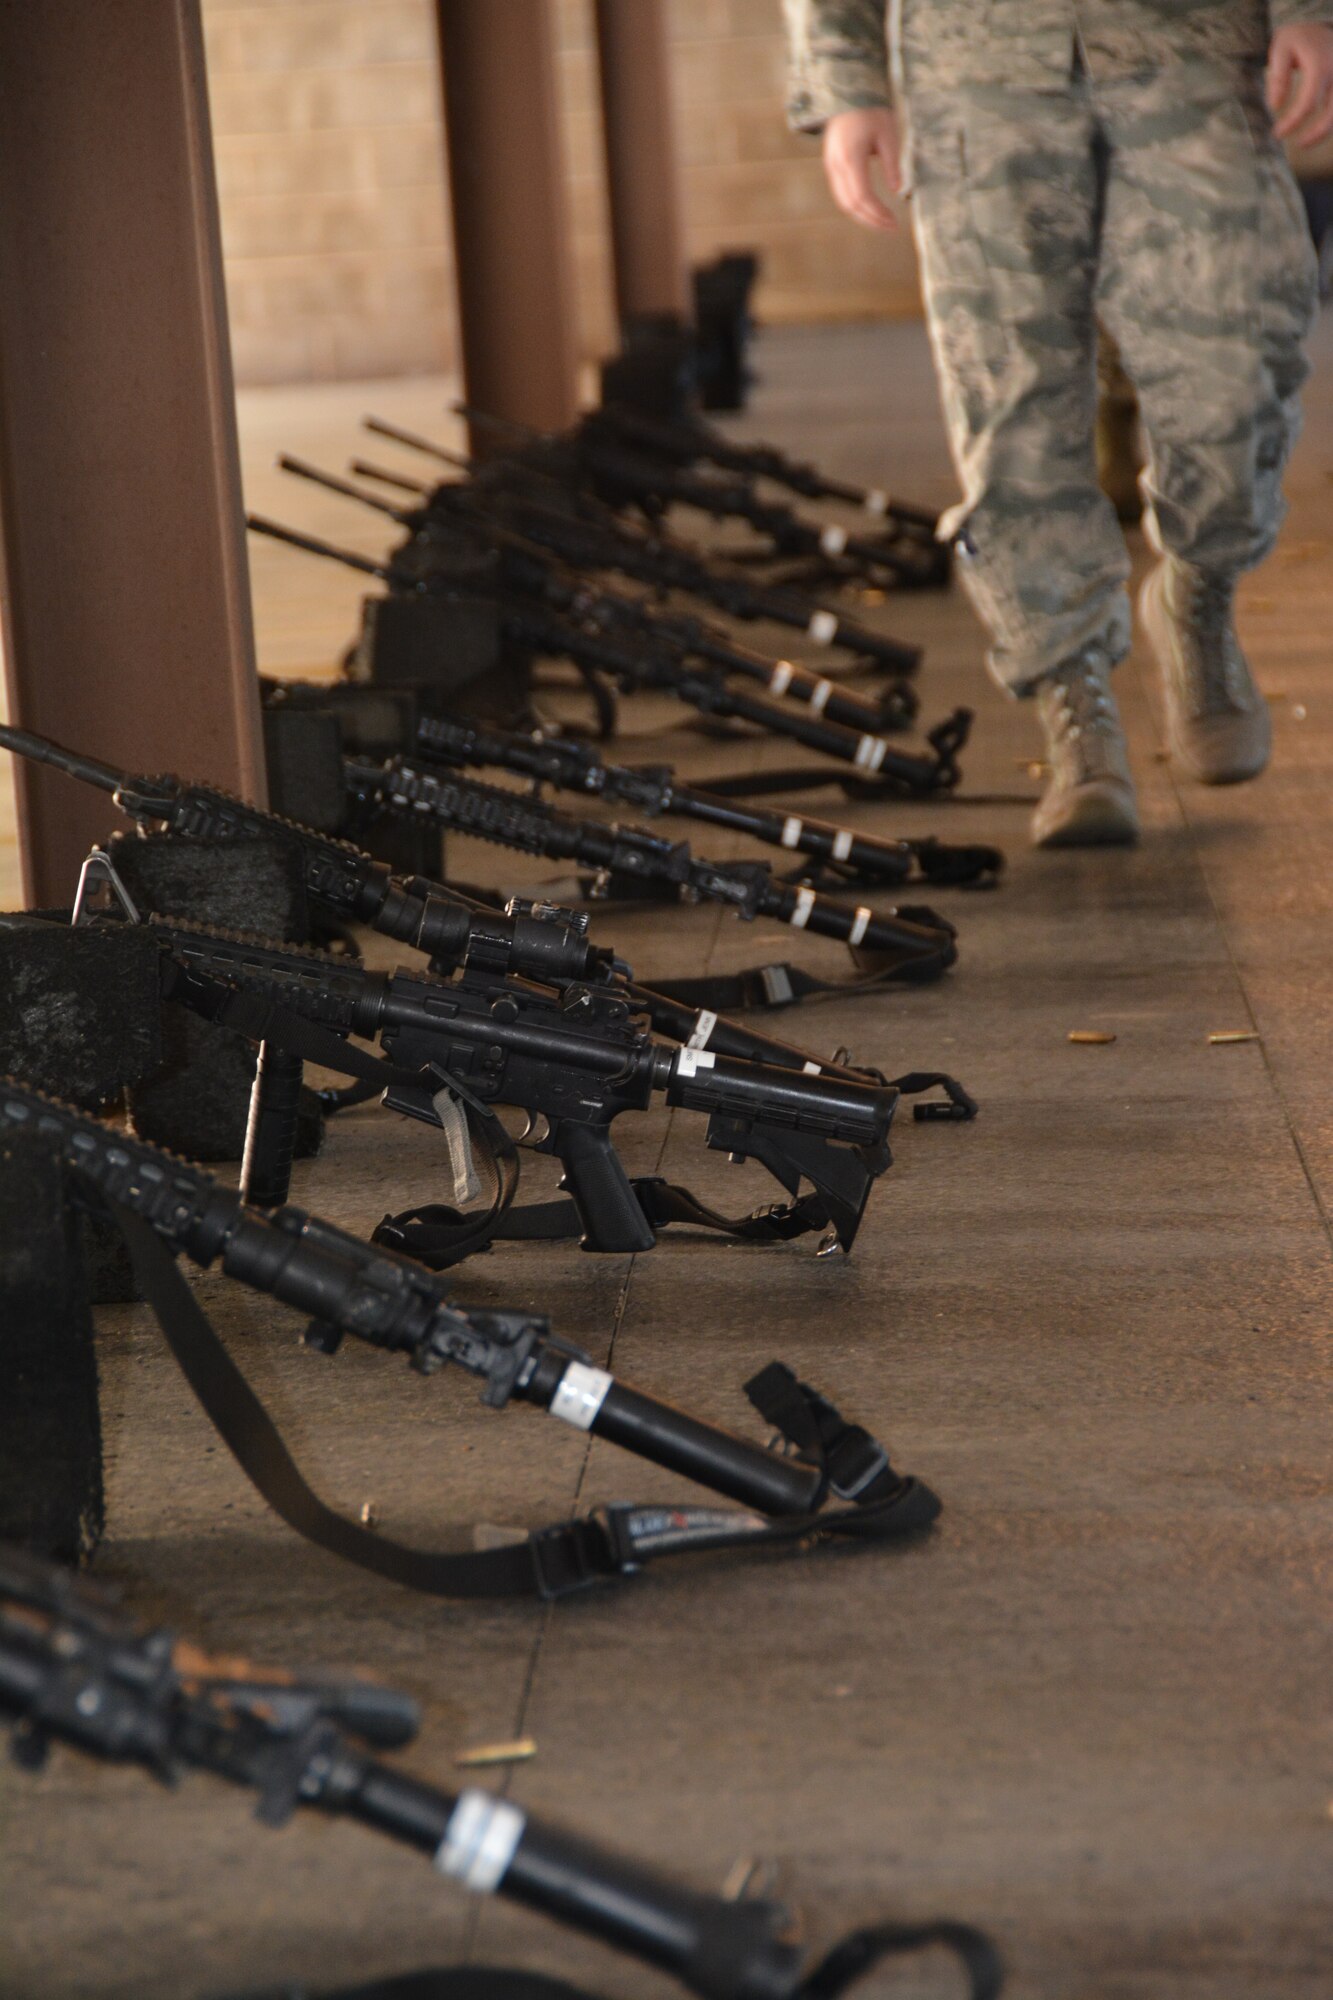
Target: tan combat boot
[(1217, 726), (1089, 801)]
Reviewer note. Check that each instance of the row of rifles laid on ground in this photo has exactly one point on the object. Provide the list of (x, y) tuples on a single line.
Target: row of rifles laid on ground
[(217, 989)]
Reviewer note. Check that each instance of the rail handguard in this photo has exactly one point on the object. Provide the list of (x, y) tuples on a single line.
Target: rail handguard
[(536, 941), (78, 1671), (571, 765), (165, 1207), (904, 944)]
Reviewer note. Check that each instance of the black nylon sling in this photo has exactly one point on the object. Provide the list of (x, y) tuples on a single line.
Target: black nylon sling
[(550, 1562), (841, 1969)]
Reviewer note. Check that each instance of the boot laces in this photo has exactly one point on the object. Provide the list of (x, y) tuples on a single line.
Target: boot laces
[(1203, 604), (1084, 719)]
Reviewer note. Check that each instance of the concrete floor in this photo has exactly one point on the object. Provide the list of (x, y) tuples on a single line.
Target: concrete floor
[(1092, 1712)]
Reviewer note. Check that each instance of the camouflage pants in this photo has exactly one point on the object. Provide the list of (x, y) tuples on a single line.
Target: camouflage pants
[(1160, 204)]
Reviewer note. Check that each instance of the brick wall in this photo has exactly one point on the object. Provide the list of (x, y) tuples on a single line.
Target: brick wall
[(326, 119), (750, 181)]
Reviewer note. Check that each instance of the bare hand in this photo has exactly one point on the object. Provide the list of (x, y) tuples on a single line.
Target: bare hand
[(856, 143), (1300, 75)]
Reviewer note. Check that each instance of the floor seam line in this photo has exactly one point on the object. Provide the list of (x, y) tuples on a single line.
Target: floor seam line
[(1297, 1145)]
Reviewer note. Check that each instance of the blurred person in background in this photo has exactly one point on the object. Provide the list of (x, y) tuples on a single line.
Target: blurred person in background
[(1070, 162)]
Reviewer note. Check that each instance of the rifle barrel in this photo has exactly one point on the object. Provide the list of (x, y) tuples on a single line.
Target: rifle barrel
[(259, 524), (38, 750)]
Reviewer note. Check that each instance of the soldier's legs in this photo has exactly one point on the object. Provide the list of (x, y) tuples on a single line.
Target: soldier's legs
[(1208, 284), (1008, 191), (1007, 201)]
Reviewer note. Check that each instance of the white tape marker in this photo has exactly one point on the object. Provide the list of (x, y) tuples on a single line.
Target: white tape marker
[(480, 1841), (580, 1396), (823, 627), (811, 1069), (861, 926), (800, 916), (876, 501), (842, 844), (781, 677), (833, 541), (691, 1060), (792, 829), (819, 695), (703, 1028)]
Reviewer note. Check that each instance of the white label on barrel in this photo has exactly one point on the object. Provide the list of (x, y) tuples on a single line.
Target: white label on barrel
[(792, 829), (823, 627), (580, 1396), (480, 1841), (842, 843), (780, 678), (703, 1028), (877, 501), (811, 1069), (819, 695), (833, 541), (691, 1060), (800, 916), (861, 926)]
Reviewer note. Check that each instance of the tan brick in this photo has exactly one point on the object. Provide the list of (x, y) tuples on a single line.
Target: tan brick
[(386, 94), (573, 24), (726, 72), (301, 164), (696, 20), (331, 170), (756, 196), (304, 225), (405, 155), (319, 34), (396, 344), (759, 132), (290, 354), (754, 17)]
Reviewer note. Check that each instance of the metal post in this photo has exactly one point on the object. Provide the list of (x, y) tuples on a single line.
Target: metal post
[(643, 185), (511, 227), (127, 617)]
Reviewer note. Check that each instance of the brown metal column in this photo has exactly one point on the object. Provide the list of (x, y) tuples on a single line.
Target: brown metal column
[(643, 185), (127, 619), (511, 226)]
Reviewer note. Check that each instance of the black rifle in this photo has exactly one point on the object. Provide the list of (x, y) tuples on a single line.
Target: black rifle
[(687, 441), (456, 524), (575, 766), (640, 659), (533, 940), (573, 1061), (914, 944), (75, 1669), (622, 476), (165, 1207), (589, 535)]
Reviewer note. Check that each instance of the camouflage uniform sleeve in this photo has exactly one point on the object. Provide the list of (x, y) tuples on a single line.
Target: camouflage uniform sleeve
[(839, 59), (1300, 13)]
